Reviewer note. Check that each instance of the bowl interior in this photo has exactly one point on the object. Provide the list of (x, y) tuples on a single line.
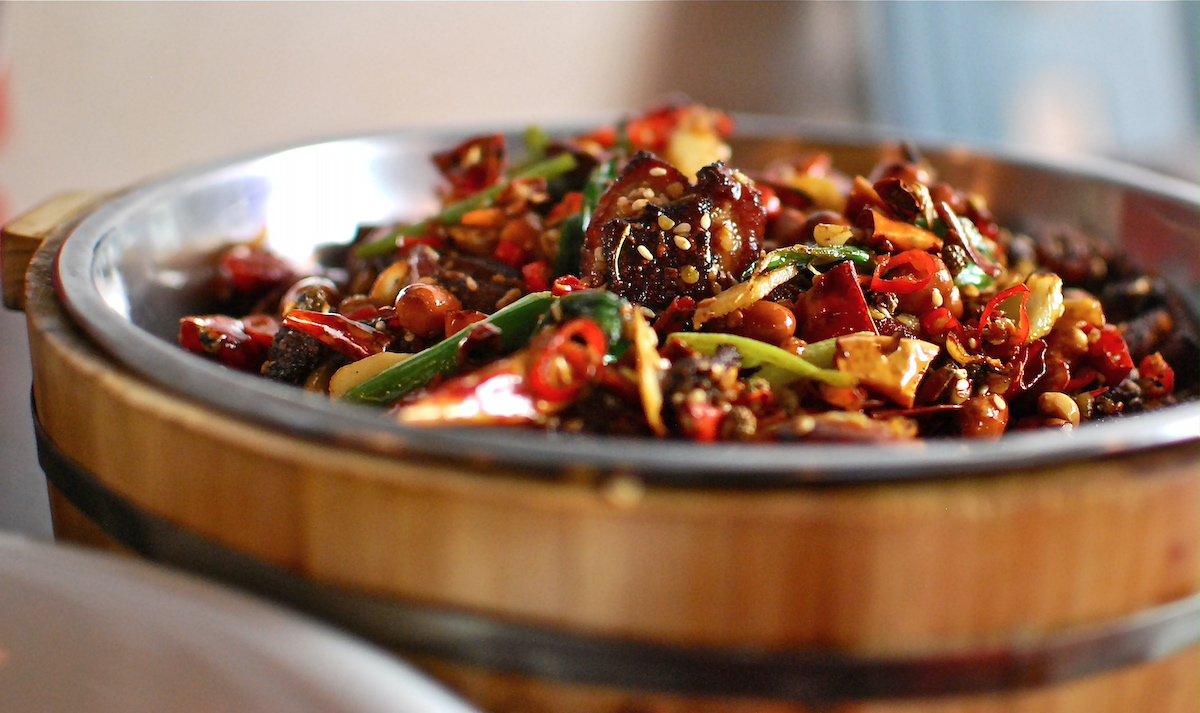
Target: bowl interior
[(130, 270)]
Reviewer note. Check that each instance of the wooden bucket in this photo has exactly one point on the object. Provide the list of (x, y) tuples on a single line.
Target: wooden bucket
[(1066, 588)]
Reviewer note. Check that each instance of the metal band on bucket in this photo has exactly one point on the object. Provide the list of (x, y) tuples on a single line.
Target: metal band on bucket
[(810, 676)]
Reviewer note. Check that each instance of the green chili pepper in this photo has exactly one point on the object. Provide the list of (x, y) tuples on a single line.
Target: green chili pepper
[(549, 168), (516, 323), (777, 366), (804, 254), (570, 242), (972, 274), (600, 306)]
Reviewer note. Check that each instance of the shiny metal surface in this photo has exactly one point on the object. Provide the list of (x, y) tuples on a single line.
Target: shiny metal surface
[(131, 269), (87, 631)]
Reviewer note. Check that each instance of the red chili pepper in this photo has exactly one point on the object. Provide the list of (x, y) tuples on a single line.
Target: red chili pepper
[(835, 306), (771, 201), (606, 136), (651, 131), (368, 312), (1029, 366), (580, 347), (676, 317), (1082, 377), (565, 285), (939, 322), (1156, 376), (1109, 354), (473, 165), (915, 269), (408, 241), (510, 254), (251, 270), (351, 339), (570, 204), (704, 419), (537, 276), (993, 307), (236, 343)]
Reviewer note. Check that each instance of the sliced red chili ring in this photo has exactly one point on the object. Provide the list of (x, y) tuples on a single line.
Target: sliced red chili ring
[(921, 267), (580, 347), (351, 339), (565, 285), (994, 306)]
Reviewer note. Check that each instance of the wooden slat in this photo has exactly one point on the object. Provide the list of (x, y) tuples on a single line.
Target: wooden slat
[(21, 237)]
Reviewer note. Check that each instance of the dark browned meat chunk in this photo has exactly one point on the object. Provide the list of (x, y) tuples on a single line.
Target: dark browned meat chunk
[(481, 283), (293, 356), (656, 236)]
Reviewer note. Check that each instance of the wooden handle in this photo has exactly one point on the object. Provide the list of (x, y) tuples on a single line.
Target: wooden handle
[(23, 234)]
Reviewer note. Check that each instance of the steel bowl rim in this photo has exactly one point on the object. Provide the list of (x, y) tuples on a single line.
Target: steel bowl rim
[(291, 411)]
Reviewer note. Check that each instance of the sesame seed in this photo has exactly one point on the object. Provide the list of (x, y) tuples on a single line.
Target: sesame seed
[(472, 285), (509, 297), (741, 178), (936, 299), (682, 228), (647, 193), (639, 204), (682, 243), (689, 274), (658, 171), (665, 223), (645, 252), (675, 190), (705, 222)]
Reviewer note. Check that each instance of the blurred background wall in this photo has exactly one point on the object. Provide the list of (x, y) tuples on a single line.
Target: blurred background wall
[(98, 95)]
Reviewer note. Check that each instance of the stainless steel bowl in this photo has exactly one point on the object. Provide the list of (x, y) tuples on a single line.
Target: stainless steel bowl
[(132, 268)]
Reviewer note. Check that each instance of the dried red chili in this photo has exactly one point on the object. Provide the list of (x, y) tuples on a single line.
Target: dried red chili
[(236, 343), (1109, 353), (1156, 376), (345, 336), (570, 204), (409, 241), (510, 253), (835, 306), (537, 276), (251, 271)]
